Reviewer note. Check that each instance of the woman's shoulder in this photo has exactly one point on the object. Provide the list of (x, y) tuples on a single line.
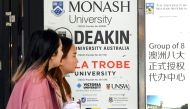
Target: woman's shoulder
[(28, 90), (32, 84), (32, 76)]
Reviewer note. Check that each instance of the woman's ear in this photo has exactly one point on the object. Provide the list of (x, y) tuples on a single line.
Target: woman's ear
[(52, 57), (62, 62)]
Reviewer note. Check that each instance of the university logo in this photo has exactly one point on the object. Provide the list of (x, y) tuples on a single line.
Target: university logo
[(57, 8), (92, 85), (110, 99), (79, 85), (149, 8), (64, 32), (108, 86), (83, 99), (118, 86)]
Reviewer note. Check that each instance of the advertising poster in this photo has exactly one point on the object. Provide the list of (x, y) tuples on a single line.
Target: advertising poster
[(105, 35), (167, 54)]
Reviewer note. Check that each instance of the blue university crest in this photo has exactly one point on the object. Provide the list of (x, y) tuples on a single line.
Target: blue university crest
[(57, 7), (150, 8), (83, 99)]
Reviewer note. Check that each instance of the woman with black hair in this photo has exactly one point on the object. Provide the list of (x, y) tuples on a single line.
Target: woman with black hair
[(32, 89)]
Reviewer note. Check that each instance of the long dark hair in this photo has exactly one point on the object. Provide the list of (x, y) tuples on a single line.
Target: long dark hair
[(67, 43), (42, 45), (58, 76)]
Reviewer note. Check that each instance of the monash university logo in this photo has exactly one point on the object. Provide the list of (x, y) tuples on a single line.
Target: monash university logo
[(57, 8), (149, 8)]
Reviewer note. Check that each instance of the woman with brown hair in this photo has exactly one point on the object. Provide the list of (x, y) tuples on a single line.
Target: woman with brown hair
[(68, 65)]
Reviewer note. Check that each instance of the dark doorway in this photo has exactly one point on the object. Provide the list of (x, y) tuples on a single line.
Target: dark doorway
[(18, 19)]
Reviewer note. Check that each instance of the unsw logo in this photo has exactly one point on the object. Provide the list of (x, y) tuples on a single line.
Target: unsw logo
[(117, 86)]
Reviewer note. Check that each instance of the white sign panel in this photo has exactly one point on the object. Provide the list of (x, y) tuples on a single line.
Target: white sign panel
[(105, 35), (167, 54)]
